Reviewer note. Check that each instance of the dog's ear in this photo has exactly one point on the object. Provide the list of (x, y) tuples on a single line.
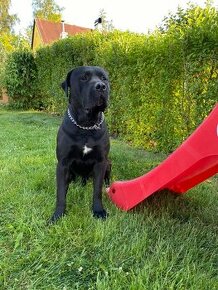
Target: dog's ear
[(66, 84)]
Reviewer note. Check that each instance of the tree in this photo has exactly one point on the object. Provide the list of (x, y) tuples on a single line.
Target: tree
[(47, 9), (7, 20), (8, 40), (193, 16)]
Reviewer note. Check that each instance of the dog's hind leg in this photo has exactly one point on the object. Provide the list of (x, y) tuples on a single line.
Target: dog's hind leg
[(84, 181), (107, 175)]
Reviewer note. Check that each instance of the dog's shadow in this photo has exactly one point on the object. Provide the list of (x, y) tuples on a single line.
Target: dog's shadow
[(181, 207)]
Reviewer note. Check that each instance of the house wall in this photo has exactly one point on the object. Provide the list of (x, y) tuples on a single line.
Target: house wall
[(37, 41)]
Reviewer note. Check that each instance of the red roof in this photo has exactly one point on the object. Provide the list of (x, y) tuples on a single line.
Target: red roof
[(51, 31)]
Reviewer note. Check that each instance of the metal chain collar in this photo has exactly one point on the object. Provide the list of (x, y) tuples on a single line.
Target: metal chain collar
[(94, 127)]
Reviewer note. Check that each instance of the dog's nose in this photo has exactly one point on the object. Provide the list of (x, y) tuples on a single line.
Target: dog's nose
[(100, 86)]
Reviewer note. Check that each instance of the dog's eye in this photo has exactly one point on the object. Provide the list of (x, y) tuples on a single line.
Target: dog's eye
[(103, 78), (84, 77)]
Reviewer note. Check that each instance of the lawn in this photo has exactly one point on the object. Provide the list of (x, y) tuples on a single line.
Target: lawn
[(168, 242)]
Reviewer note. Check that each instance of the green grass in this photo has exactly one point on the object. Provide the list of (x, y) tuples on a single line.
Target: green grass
[(167, 242)]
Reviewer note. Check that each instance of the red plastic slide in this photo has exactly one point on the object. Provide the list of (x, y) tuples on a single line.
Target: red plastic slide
[(193, 162)]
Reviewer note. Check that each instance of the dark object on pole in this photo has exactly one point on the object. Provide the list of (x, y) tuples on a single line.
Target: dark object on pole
[(98, 21)]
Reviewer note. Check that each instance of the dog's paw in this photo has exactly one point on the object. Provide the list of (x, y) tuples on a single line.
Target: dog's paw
[(101, 214), (56, 216)]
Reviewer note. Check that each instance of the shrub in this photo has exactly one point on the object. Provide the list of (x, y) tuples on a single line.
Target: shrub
[(21, 80)]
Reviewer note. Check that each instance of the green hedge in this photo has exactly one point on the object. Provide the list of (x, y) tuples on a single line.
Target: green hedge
[(21, 80), (162, 85)]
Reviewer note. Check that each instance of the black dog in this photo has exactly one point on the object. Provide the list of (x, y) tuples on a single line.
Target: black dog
[(83, 140)]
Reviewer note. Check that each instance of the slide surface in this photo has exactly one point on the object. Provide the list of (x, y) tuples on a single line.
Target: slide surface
[(191, 163)]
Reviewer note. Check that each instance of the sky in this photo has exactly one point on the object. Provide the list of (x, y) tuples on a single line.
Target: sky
[(138, 16)]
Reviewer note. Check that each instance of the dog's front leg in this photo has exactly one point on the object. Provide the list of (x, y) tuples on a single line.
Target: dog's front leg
[(62, 187), (99, 173)]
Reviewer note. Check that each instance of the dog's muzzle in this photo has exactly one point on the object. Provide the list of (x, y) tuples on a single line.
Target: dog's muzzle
[(99, 98), (100, 87)]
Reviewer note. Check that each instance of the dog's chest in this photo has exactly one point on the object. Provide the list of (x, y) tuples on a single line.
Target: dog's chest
[(86, 150), (83, 157)]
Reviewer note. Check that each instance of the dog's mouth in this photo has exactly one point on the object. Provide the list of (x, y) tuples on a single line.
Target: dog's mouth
[(99, 106), (100, 102)]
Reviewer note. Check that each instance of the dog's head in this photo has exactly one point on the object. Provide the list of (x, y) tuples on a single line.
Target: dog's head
[(87, 88)]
